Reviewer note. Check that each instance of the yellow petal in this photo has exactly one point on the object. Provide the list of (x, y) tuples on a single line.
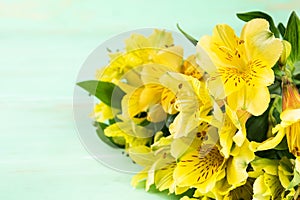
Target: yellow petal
[(216, 87), (290, 115), (253, 99), (156, 113), (139, 177), (265, 165), (102, 112), (180, 190), (161, 39), (226, 50), (257, 100), (263, 76), (191, 97), (261, 43), (191, 68), (199, 168), (136, 41), (180, 145), (164, 177), (237, 165), (297, 164), (244, 191), (236, 171), (168, 99), (214, 82), (133, 134), (261, 191), (224, 35), (142, 155), (285, 171), (287, 47), (203, 59), (269, 143), (171, 57)]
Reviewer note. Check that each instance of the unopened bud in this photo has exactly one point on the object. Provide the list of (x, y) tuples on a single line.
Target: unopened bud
[(285, 52), (290, 95)]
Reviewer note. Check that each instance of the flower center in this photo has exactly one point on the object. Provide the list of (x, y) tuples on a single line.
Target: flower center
[(209, 162)]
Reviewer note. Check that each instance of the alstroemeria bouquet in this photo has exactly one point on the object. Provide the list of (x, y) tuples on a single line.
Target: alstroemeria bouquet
[(223, 123)]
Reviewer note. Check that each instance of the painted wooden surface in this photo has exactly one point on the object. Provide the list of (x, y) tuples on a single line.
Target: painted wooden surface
[(42, 47)]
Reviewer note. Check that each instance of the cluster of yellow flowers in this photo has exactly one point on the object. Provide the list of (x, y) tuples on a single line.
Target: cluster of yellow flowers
[(223, 123)]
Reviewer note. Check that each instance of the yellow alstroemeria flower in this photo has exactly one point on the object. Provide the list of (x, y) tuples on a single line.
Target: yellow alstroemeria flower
[(192, 141), (129, 134), (272, 179), (148, 95), (290, 126), (233, 129), (140, 50), (200, 168), (158, 94), (191, 68), (205, 166), (152, 99), (224, 191), (102, 112), (290, 116), (231, 160), (237, 179), (192, 101), (290, 121), (240, 68), (158, 166)]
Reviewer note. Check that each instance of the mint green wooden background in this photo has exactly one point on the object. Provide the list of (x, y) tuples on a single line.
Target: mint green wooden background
[(42, 47)]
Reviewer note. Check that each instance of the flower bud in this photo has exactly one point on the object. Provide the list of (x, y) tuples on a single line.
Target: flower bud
[(285, 52), (290, 95), (291, 115)]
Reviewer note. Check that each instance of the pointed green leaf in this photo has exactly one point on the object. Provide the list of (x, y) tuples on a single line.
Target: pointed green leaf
[(292, 34), (189, 37), (107, 92), (258, 14), (281, 29)]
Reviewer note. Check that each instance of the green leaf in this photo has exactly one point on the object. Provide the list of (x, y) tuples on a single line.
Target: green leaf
[(282, 145), (281, 29), (257, 127), (292, 34), (276, 115), (297, 68), (275, 88), (285, 153), (271, 154), (107, 92), (189, 37), (297, 82), (258, 14), (100, 132)]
